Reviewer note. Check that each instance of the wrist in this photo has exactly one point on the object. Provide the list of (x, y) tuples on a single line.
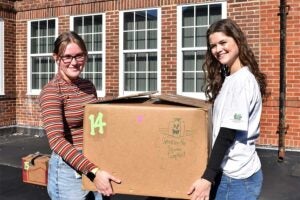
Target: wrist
[(92, 174)]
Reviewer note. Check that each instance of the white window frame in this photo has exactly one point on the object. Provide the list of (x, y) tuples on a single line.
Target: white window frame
[(31, 91), (100, 93), (198, 95), (2, 56), (122, 91)]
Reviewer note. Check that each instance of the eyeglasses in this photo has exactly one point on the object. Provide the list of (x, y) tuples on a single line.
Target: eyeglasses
[(68, 59)]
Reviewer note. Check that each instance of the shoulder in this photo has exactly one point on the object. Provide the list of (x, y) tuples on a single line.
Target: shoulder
[(86, 84), (50, 91), (244, 78)]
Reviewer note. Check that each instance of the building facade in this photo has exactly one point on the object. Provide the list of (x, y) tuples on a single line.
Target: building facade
[(142, 45)]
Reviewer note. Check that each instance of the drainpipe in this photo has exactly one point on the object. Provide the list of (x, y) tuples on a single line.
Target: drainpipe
[(282, 128)]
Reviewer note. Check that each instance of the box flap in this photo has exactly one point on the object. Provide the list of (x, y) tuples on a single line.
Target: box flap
[(135, 98), (188, 101)]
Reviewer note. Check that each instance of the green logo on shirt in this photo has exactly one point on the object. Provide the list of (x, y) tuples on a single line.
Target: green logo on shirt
[(97, 123), (237, 116)]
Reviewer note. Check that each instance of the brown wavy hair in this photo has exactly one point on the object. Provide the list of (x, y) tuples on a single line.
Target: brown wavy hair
[(212, 66)]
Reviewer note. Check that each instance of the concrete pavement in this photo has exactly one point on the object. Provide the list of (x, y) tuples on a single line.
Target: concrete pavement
[(281, 180)]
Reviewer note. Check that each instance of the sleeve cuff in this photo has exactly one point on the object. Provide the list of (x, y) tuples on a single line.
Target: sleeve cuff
[(209, 175)]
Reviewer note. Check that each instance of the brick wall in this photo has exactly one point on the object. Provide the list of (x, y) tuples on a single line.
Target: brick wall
[(270, 63), (8, 101), (258, 20)]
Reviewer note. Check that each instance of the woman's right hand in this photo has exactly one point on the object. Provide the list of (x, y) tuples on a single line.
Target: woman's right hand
[(103, 184)]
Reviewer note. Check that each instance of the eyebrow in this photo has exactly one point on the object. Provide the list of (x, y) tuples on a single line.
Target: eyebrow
[(79, 54)]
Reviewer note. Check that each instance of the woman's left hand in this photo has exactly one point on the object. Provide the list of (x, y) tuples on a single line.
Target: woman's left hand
[(200, 189)]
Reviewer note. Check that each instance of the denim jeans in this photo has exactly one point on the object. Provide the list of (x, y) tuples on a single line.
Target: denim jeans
[(240, 189), (63, 183)]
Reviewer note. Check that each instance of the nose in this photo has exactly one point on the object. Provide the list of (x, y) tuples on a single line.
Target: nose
[(219, 48), (73, 61)]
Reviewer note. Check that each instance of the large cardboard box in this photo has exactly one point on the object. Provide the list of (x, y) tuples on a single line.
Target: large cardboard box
[(157, 146), (35, 169)]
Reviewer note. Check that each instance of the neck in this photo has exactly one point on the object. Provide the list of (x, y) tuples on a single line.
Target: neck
[(235, 66)]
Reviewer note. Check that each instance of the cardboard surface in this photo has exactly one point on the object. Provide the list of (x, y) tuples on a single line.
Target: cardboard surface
[(35, 169), (157, 148)]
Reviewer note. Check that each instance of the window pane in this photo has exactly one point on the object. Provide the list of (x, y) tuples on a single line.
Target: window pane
[(201, 15), (78, 27), (34, 45), (140, 39), (129, 62), (201, 36), (152, 40), (35, 81), (128, 21), (97, 42), (152, 59), (98, 63), (188, 82), (129, 82), (51, 67), (89, 42), (152, 83), (35, 65), (50, 44), (98, 81), (141, 62), (43, 45), (44, 65), (199, 81), (51, 27), (34, 29), (98, 23), (140, 18), (141, 82), (152, 19), (188, 37), (215, 13), (188, 16), (88, 24), (188, 61), (128, 40), (89, 65), (44, 80), (43, 28), (200, 60)]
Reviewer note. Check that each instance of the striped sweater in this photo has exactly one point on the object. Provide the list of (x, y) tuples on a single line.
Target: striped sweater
[(62, 107)]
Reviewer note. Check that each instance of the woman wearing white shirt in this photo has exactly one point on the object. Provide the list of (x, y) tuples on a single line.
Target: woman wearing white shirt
[(236, 88)]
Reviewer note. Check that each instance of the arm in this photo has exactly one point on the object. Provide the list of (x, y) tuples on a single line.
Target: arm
[(52, 118), (202, 186)]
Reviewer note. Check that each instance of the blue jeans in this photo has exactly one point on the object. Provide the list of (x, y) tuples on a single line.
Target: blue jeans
[(63, 184), (240, 189)]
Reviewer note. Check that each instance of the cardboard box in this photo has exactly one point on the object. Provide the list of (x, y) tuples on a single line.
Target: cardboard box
[(35, 169), (157, 146)]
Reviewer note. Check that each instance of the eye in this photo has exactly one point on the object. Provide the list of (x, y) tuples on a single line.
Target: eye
[(212, 46), (222, 42)]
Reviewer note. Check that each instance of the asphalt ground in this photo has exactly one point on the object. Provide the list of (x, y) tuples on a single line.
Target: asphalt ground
[(281, 179)]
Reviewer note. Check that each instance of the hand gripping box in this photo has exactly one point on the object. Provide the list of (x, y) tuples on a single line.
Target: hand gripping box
[(35, 169), (157, 146)]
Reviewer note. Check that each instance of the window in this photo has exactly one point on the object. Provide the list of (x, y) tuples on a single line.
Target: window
[(1, 57), (91, 29), (139, 51), (41, 37), (193, 22)]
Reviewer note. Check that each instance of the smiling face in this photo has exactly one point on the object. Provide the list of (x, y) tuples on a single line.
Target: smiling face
[(225, 50), (71, 63)]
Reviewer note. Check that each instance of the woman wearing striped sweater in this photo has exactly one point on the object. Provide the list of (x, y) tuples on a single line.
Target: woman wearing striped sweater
[(62, 105)]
